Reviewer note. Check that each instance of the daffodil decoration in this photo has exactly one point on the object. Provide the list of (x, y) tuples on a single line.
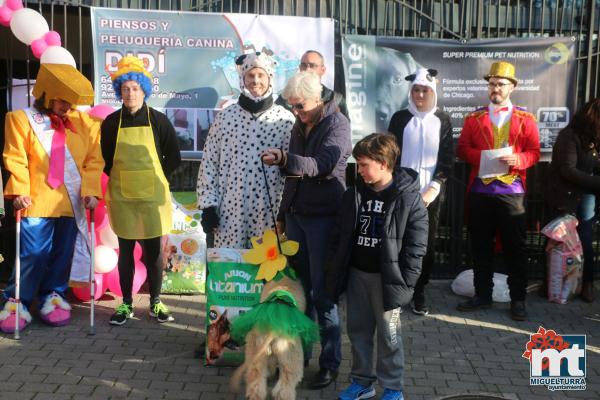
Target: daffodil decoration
[(265, 252)]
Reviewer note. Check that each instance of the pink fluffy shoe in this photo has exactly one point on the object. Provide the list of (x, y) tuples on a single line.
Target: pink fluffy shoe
[(8, 317), (56, 311)]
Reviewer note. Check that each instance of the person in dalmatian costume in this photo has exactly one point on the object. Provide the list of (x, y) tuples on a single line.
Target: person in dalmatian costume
[(52, 152), (231, 185)]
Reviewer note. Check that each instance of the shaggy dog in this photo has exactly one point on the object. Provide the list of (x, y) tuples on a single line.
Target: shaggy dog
[(267, 351)]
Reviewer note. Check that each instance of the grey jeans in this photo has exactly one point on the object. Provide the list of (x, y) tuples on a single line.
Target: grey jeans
[(365, 316)]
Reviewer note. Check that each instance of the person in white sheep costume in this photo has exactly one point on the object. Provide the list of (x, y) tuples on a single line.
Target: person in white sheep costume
[(424, 133), (231, 185)]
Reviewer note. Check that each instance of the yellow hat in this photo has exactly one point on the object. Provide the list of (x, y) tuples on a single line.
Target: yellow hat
[(129, 64), (65, 82), (502, 69)]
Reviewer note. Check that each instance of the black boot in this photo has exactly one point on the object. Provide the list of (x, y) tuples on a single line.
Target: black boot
[(323, 378), (517, 310), (418, 303), (474, 304)]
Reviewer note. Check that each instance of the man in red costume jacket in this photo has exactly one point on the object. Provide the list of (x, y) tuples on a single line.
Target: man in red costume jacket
[(495, 199)]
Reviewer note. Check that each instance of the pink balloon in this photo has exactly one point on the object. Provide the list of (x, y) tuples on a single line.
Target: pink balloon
[(52, 38), (111, 282), (139, 277), (100, 217), (104, 182), (137, 251), (83, 293), (107, 237), (101, 111), (14, 4), (5, 15), (38, 47)]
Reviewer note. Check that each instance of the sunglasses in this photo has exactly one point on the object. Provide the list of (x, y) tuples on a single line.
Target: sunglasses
[(309, 65), (299, 106)]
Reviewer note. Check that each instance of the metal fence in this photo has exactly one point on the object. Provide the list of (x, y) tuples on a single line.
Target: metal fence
[(460, 20)]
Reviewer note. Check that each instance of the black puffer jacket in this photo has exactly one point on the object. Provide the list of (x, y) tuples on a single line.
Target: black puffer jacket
[(575, 160), (403, 245)]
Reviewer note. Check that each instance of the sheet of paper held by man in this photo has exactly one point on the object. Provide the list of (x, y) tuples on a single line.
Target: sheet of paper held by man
[(490, 164)]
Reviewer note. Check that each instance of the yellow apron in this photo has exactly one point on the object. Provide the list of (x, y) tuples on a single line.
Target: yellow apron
[(138, 197)]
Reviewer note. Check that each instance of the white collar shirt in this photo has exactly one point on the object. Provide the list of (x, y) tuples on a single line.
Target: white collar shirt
[(499, 118)]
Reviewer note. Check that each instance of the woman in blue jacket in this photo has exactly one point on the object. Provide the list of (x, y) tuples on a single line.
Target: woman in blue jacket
[(315, 170)]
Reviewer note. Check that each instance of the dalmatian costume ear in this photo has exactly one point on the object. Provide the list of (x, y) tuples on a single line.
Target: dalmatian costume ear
[(240, 59)]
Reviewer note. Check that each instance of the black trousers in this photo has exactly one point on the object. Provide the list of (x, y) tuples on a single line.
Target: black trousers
[(488, 214), (152, 259), (433, 212)]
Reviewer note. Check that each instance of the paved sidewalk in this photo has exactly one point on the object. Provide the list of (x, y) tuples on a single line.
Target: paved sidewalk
[(447, 353)]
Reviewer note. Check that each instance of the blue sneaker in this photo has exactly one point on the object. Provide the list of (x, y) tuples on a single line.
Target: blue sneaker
[(356, 391), (389, 394)]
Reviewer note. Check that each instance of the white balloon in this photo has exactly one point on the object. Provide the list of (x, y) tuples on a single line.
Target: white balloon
[(28, 25), (57, 55), (105, 259), (108, 237)]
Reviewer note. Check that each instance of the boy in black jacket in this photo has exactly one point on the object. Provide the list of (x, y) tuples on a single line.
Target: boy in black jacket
[(376, 255)]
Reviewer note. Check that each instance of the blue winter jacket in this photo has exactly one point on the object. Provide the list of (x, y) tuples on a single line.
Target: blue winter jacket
[(316, 166)]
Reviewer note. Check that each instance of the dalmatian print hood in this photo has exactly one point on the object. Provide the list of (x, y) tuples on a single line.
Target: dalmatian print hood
[(263, 60)]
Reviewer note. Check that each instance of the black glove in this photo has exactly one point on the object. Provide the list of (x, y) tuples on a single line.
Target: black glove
[(210, 219)]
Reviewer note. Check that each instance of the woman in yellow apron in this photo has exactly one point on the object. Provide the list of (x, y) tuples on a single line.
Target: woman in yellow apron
[(139, 146)]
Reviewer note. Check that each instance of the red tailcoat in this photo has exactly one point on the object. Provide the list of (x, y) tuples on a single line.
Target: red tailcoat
[(477, 134)]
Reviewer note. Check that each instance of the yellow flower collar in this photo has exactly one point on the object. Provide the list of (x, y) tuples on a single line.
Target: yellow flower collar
[(265, 252)]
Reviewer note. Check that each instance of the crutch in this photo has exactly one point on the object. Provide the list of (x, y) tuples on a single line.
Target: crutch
[(18, 274), (92, 281)]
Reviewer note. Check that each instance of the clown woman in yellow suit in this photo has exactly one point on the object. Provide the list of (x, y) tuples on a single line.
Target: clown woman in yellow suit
[(52, 152)]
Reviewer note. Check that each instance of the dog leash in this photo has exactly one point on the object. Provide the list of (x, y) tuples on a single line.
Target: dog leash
[(264, 171)]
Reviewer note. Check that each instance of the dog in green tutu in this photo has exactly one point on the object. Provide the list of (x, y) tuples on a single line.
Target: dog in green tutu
[(276, 331)]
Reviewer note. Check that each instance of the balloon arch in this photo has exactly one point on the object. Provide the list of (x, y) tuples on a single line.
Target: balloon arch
[(30, 27)]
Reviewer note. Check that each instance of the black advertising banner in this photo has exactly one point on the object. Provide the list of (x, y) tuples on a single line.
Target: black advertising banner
[(375, 68)]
